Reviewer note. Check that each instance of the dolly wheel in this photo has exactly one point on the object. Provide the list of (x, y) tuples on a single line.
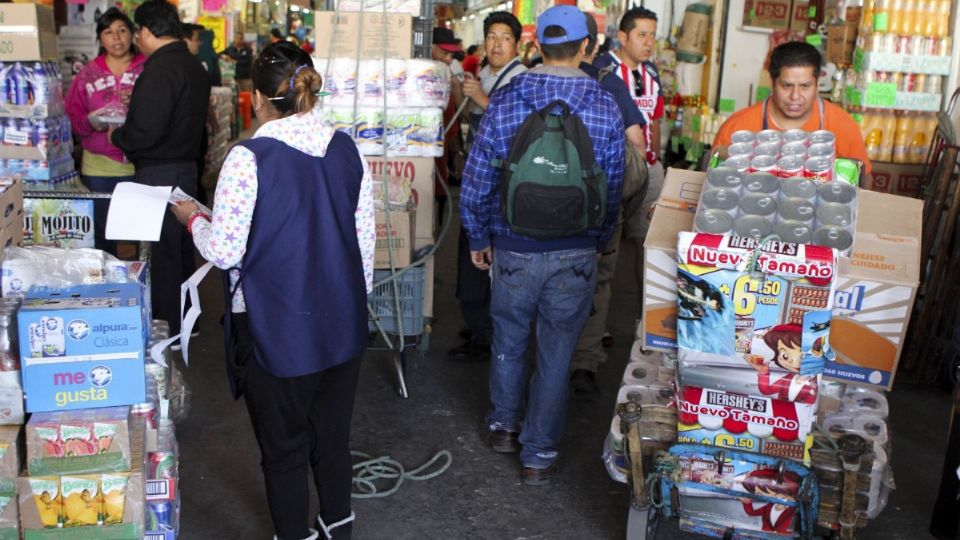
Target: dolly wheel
[(642, 523)]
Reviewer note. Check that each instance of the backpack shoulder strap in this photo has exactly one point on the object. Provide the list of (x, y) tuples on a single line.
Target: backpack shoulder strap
[(604, 71), (503, 73)]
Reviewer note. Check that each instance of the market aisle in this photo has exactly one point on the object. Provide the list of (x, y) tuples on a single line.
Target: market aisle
[(480, 496)]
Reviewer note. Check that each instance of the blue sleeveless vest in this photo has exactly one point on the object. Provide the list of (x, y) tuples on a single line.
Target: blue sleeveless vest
[(302, 274)]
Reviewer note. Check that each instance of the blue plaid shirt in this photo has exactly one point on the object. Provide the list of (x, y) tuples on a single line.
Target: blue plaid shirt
[(508, 109)]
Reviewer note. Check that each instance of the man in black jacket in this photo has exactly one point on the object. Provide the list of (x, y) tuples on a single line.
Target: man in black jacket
[(162, 137)]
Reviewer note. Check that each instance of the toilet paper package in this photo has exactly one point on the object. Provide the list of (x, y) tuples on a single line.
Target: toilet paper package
[(369, 136), (396, 82), (401, 125), (428, 83), (340, 119), (339, 80), (652, 394), (427, 135), (640, 373), (370, 83), (406, 82)]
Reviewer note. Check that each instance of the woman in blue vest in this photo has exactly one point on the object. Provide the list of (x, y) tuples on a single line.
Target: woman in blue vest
[(293, 225)]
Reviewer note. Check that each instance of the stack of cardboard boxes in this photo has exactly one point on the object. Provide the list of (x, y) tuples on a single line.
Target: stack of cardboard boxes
[(82, 354), (97, 459), (866, 314), (880, 276), (37, 135)]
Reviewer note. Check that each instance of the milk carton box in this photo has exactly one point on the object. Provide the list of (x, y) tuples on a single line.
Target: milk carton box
[(83, 347)]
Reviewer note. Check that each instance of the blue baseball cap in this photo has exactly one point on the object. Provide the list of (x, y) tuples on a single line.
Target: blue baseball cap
[(569, 18)]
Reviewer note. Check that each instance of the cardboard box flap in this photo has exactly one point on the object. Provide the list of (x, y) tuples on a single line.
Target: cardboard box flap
[(887, 214), (26, 19), (885, 258), (681, 189), (887, 244), (666, 225)]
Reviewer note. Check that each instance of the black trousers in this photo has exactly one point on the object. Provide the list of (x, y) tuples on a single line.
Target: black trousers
[(473, 291), (172, 258), (300, 422)]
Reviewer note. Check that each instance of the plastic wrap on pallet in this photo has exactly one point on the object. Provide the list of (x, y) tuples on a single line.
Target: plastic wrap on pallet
[(404, 82), (410, 131), (863, 412)]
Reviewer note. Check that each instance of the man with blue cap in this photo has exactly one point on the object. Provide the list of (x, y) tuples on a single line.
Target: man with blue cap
[(547, 280)]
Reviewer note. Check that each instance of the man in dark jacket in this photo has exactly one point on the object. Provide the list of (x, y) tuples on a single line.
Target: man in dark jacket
[(240, 53), (162, 137), (550, 281)]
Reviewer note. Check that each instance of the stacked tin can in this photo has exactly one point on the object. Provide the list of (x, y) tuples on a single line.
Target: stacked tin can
[(796, 209), (163, 514), (784, 153)]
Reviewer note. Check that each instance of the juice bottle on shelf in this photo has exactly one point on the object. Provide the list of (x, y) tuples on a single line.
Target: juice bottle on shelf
[(942, 19), (901, 139), (872, 134), (866, 20), (895, 16), (923, 22), (909, 16), (920, 137), (889, 132), (881, 16)]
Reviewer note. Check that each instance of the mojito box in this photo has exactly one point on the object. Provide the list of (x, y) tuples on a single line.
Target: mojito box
[(749, 423), (83, 347)]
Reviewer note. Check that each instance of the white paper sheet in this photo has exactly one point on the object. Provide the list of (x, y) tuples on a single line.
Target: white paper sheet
[(180, 195), (136, 211)]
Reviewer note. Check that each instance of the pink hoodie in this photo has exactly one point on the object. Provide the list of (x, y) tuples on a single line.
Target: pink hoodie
[(94, 87)]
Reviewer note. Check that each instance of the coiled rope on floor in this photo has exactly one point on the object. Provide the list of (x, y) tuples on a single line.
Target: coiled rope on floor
[(367, 472)]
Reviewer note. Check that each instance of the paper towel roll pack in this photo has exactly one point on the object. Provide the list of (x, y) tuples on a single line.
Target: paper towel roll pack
[(640, 373), (410, 131), (644, 394), (404, 82)]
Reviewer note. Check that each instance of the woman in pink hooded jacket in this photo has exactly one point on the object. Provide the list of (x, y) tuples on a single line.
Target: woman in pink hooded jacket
[(106, 81)]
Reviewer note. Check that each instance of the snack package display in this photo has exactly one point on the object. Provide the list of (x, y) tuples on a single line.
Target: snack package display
[(11, 450), (112, 114), (765, 309), (47, 505), (78, 442), (732, 492), (113, 488), (82, 503), (96, 505), (749, 423)]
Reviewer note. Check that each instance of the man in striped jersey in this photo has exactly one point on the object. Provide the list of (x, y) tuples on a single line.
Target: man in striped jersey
[(632, 64)]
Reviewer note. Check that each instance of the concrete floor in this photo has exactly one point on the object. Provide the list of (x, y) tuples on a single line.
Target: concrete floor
[(480, 496)]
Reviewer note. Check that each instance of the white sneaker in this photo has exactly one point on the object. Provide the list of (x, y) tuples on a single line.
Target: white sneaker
[(314, 535), (327, 529)]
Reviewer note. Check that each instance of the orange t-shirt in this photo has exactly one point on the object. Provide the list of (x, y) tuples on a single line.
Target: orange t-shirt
[(849, 141)]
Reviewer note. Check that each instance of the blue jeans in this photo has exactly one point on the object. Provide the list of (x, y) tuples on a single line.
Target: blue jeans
[(555, 288), (103, 184)]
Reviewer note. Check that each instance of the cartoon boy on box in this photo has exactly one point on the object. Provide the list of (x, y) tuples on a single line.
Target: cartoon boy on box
[(785, 341), (774, 517)]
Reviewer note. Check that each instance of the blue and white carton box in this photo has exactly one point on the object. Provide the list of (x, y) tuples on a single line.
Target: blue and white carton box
[(83, 347)]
